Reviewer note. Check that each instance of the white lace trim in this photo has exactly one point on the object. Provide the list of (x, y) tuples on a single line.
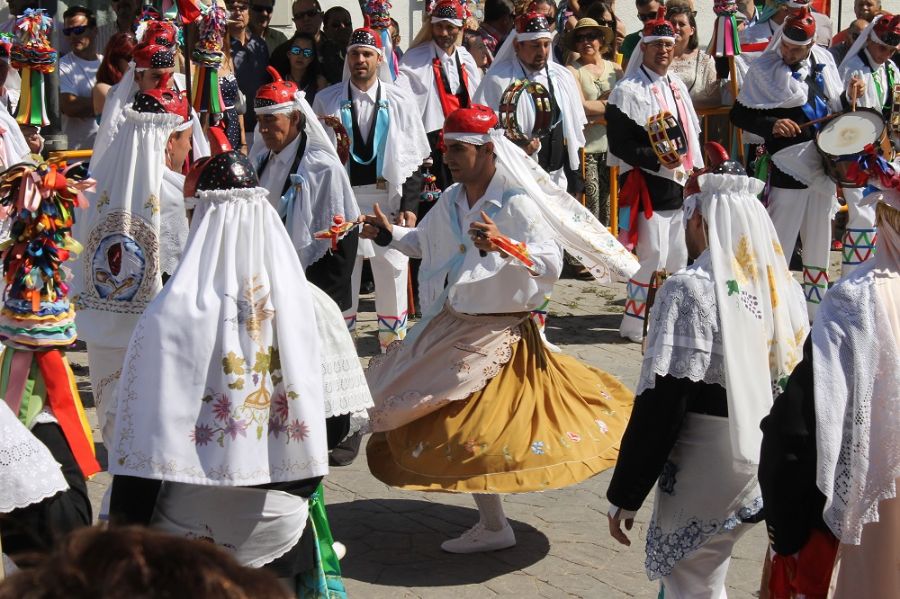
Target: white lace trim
[(152, 118), (856, 377), (683, 339), (28, 473), (221, 196)]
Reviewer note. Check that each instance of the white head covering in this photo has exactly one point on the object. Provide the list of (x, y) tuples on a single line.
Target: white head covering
[(119, 96), (856, 375), (224, 383), (324, 191), (118, 273), (28, 473), (763, 319), (769, 82)]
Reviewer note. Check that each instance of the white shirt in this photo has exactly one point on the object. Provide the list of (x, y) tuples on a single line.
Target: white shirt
[(277, 170), (448, 63), (487, 284), (78, 76), (663, 84), (364, 106)]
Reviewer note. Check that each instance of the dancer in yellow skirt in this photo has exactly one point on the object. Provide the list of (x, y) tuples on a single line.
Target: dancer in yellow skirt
[(472, 401)]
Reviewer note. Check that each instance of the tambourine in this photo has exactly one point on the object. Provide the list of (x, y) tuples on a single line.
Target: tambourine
[(666, 138), (340, 135), (544, 105)]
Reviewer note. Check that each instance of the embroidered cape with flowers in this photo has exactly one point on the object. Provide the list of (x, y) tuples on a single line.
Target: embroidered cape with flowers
[(223, 378)]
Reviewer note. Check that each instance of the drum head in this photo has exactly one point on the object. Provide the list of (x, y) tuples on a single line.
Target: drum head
[(850, 133)]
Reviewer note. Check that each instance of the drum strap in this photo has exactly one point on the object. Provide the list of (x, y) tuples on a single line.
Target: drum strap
[(451, 100), (682, 114)]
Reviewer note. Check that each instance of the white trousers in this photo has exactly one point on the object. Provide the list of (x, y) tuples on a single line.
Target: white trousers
[(105, 364), (859, 237), (702, 574), (390, 270), (660, 246), (807, 213)]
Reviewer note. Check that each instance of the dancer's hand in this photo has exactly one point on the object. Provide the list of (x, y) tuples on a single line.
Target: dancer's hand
[(374, 222), (482, 233), (615, 527), (856, 89)]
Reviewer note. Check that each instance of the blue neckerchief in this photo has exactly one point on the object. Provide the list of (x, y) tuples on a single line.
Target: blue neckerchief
[(382, 123), (288, 203), (452, 266), (815, 107)]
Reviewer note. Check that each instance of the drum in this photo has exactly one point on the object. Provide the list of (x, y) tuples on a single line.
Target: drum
[(843, 140), (666, 138), (539, 110)]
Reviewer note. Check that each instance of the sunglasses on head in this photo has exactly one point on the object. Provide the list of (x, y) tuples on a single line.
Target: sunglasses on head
[(77, 30), (304, 52), (262, 8), (308, 14), (587, 37)]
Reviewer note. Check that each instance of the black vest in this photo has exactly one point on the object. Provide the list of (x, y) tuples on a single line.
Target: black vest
[(363, 174)]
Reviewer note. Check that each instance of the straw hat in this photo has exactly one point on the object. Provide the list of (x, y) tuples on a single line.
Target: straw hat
[(606, 34)]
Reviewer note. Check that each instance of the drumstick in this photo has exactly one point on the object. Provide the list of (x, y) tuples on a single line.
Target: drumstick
[(819, 120)]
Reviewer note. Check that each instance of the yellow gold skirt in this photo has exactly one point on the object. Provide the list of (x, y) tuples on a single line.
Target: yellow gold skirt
[(546, 421)]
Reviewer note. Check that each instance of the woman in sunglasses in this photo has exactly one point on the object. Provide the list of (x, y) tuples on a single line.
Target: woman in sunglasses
[(304, 67)]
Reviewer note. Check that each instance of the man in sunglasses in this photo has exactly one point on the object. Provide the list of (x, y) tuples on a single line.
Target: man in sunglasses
[(333, 43), (77, 75), (260, 18), (307, 17), (646, 11)]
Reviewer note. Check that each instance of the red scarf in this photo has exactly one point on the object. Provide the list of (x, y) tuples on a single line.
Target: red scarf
[(449, 101), (635, 196)]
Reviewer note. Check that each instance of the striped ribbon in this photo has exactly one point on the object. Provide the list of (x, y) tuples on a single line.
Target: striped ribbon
[(31, 109), (207, 94)]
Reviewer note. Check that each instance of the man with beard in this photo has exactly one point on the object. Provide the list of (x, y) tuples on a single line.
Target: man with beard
[(792, 83), (531, 59), (652, 189), (388, 144), (442, 77)]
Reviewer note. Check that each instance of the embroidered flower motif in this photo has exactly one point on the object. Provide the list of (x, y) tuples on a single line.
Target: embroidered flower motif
[(298, 430), (604, 428), (222, 408), (537, 448), (574, 437), (233, 364), (276, 427), (235, 428), (667, 478), (280, 405), (202, 434)]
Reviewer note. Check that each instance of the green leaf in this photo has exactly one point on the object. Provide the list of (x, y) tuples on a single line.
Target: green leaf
[(292, 394), (238, 384), (233, 364), (259, 431), (262, 362), (732, 287)]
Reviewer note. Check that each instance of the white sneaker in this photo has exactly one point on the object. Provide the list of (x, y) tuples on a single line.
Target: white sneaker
[(478, 539), (340, 550)]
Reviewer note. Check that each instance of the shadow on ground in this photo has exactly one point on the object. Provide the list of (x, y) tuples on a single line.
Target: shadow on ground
[(396, 542), (592, 329)]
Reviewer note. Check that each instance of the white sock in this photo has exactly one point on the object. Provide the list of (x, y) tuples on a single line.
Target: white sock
[(490, 508)]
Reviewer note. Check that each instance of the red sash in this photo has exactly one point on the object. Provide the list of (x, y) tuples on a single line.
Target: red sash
[(449, 101), (636, 197)]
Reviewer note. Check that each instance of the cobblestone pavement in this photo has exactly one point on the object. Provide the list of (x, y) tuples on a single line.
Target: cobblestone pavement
[(564, 550)]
